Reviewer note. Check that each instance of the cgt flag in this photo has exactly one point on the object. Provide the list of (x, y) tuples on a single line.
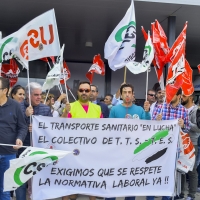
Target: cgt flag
[(53, 77), (186, 158), (37, 39), (120, 46), (30, 162), (67, 73), (10, 71), (148, 55), (175, 71), (97, 67)]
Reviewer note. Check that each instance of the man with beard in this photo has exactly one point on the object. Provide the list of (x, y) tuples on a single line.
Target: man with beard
[(173, 110), (194, 132), (160, 94), (82, 108)]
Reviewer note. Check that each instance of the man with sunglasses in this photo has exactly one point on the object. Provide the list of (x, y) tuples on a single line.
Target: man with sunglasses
[(151, 96), (160, 95), (82, 108)]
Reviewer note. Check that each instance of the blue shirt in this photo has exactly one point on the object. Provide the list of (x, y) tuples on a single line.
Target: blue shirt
[(12, 126), (134, 112)]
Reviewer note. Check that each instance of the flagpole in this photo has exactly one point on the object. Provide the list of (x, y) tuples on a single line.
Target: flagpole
[(49, 65), (59, 89), (147, 80), (12, 145), (46, 96), (29, 90), (65, 86), (71, 92), (125, 69)]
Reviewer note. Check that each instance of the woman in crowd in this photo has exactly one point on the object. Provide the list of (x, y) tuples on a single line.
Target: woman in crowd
[(18, 93)]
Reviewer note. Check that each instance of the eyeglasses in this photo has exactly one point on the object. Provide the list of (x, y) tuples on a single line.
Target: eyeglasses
[(82, 90), (152, 95)]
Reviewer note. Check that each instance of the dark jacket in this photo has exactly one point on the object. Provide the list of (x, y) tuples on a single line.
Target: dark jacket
[(104, 109), (12, 126), (41, 109), (194, 131)]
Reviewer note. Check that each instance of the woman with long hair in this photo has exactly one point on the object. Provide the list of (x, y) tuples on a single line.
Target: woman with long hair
[(18, 93)]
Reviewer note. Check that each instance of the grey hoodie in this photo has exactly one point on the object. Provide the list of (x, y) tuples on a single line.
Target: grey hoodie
[(194, 131)]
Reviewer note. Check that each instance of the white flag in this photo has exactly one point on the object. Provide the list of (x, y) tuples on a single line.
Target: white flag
[(148, 55), (31, 161), (120, 46), (37, 39), (54, 75)]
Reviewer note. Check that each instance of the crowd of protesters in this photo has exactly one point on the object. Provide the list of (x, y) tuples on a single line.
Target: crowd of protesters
[(17, 107)]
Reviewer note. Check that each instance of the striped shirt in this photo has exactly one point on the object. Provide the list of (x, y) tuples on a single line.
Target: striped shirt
[(169, 113)]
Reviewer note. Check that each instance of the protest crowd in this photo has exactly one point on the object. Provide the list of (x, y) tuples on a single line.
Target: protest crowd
[(19, 104)]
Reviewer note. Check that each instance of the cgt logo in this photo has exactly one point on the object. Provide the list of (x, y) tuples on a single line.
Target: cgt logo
[(22, 174), (37, 40)]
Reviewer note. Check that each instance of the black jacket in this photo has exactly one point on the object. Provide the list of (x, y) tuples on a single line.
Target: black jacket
[(104, 109)]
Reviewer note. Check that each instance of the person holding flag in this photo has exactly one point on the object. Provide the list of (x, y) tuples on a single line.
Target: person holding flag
[(31, 108), (13, 131), (82, 108)]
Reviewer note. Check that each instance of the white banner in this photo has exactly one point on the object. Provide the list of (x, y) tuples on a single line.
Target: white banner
[(113, 157)]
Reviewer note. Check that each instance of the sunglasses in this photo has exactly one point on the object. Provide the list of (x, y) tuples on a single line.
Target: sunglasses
[(82, 90), (152, 95)]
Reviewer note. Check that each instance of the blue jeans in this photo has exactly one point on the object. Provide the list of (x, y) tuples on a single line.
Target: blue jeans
[(21, 192), (4, 165)]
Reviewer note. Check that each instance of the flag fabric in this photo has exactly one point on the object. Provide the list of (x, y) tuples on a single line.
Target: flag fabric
[(177, 44), (120, 47), (67, 73), (10, 71), (186, 160), (53, 77), (148, 55), (187, 84), (97, 67), (161, 49), (30, 162), (52, 59), (158, 68), (37, 39), (45, 59), (174, 77)]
